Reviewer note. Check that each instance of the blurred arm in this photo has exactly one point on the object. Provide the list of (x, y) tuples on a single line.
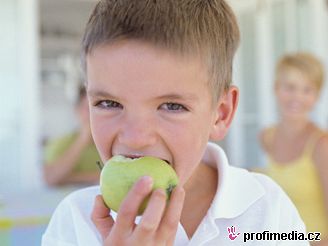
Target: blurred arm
[(88, 178), (320, 158), (59, 170)]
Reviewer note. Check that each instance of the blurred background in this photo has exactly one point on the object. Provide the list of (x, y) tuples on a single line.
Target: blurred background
[(40, 73)]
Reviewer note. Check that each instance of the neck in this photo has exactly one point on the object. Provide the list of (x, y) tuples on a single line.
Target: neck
[(202, 179), (293, 127), (200, 191)]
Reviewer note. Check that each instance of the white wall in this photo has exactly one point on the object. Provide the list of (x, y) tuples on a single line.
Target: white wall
[(19, 94)]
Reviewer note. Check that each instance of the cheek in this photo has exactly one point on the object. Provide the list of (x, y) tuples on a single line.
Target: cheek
[(283, 98), (101, 135), (187, 136), (188, 159), (188, 143), (311, 101), (283, 94)]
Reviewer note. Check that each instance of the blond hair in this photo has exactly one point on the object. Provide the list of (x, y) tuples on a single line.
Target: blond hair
[(306, 63), (207, 28)]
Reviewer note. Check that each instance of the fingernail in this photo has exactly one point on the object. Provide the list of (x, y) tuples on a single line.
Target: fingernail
[(160, 192), (147, 180)]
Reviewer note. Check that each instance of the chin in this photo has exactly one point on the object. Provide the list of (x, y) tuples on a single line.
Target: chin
[(295, 116)]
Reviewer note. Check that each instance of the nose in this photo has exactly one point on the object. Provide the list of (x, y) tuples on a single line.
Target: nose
[(299, 95), (137, 133)]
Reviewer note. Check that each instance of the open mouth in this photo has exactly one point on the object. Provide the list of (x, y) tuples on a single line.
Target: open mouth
[(134, 157)]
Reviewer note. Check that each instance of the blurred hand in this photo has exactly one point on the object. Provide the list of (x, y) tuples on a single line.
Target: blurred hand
[(158, 224)]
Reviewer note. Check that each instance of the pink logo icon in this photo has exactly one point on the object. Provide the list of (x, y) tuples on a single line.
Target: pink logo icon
[(232, 233)]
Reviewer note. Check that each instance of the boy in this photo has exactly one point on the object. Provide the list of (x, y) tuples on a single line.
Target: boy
[(158, 82)]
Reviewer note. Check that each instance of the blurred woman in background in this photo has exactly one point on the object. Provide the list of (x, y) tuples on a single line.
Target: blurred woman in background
[(297, 149)]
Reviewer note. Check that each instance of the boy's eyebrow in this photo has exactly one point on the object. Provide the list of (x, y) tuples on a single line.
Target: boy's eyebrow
[(170, 96), (99, 93), (173, 96)]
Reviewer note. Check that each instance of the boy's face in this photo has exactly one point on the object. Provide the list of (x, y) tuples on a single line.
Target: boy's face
[(147, 101)]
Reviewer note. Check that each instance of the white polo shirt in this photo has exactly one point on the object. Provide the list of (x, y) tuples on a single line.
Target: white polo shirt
[(246, 206)]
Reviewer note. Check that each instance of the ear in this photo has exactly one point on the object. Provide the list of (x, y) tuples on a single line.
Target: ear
[(225, 111)]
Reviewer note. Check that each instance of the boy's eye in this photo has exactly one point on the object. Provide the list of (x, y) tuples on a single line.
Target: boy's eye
[(109, 104), (173, 107)]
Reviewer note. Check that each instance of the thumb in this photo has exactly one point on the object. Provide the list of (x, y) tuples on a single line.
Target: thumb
[(101, 218)]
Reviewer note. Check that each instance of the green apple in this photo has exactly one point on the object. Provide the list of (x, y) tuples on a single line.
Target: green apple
[(120, 173)]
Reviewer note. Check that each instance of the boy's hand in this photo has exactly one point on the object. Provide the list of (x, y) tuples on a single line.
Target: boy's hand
[(158, 224)]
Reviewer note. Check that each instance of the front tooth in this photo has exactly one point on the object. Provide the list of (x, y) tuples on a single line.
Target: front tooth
[(121, 158)]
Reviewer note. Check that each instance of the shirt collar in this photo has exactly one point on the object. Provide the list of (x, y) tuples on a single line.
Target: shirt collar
[(237, 188)]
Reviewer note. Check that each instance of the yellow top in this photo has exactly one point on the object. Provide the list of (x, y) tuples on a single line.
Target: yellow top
[(87, 160), (300, 180)]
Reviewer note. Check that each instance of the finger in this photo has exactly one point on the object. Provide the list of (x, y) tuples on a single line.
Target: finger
[(169, 224), (101, 218), (152, 216), (130, 206)]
